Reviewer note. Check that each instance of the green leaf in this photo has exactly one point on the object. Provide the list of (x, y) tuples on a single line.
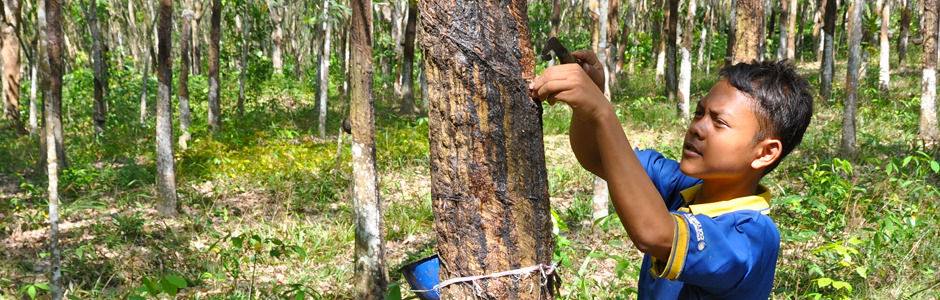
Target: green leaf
[(176, 280), (168, 287), (137, 297), (43, 286), (152, 287), (72, 297), (300, 295), (823, 282), (935, 166), (842, 285), (31, 291), (394, 291), (862, 271)]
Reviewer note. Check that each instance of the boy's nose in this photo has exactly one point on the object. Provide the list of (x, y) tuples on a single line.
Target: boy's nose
[(695, 128)]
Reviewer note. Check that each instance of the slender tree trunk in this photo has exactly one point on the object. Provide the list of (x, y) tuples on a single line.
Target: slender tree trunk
[(826, 69), (851, 79), (685, 73), (185, 56), (904, 33), (749, 31), (928, 98), (625, 36), (197, 50), (246, 29), (613, 12), (215, 108), (371, 275), (33, 85), (702, 39), (91, 15), (556, 19), (601, 193), (276, 12), (52, 73), (407, 67), (146, 76), (324, 72), (784, 45), (489, 186), (884, 74), (791, 31), (10, 52), (672, 74), (166, 171), (732, 34)]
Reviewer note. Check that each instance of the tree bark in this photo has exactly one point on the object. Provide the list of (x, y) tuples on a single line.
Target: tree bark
[(732, 26), (685, 73), (91, 15), (749, 31), (851, 79), (613, 12), (784, 45), (33, 85), (371, 275), (50, 38), (601, 193), (324, 72), (702, 39), (625, 36), (215, 108), (10, 51), (672, 74), (198, 11), (884, 74), (904, 33), (659, 51), (489, 184), (407, 67), (928, 98), (276, 12), (185, 56), (246, 29), (826, 69), (556, 19), (791, 31), (146, 76), (166, 171), (54, 71)]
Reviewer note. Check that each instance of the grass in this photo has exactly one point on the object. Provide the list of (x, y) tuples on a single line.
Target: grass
[(267, 212)]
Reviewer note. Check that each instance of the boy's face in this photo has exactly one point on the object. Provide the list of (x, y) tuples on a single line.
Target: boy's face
[(719, 143)]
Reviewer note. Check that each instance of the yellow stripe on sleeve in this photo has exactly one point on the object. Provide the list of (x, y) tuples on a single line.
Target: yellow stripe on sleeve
[(680, 248)]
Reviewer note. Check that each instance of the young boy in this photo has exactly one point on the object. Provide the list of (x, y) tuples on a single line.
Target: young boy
[(701, 223)]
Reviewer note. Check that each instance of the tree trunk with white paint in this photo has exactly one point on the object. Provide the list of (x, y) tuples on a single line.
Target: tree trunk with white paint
[(371, 276), (185, 56), (33, 85), (601, 194), (489, 185), (52, 71), (672, 33), (685, 69), (51, 74), (146, 76), (246, 29), (928, 95), (884, 55), (851, 78), (324, 72), (166, 171), (702, 39)]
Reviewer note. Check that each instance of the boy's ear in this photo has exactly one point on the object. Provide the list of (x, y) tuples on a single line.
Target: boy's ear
[(768, 152)]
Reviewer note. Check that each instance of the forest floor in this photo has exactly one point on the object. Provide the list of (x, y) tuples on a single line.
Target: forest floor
[(266, 212)]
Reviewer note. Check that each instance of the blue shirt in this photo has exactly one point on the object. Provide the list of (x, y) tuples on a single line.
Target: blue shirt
[(721, 250)]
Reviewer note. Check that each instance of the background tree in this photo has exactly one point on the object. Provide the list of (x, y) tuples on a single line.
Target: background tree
[(185, 56), (52, 71), (672, 28), (325, 67), (884, 54), (784, 28), (792, 11), (685, 72), (149, 62), (749, 31), (100, 81), (10, 52), (851, 78), (215, 108), (928, 96), (276, 13), (166, 171), (370, 268), (245, 29), (828, 56), (407, 106), (904, 25), (489, 188)]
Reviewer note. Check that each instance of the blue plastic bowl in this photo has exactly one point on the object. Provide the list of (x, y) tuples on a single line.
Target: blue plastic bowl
[(422, 275)]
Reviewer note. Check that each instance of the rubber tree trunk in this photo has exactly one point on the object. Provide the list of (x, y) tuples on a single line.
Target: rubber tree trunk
[(146, 76), (10, 52), (672, 28), (685, 69), (706, 22), (185, 56), (489, 188), (556, 19), (324, 73), (246, 29), (613, 13), (371, 275), (50, 37), (732, 26), (784, 41), (884, 55), (199, 11), (851, 78), (33, 86), (659, 52), (928, 95), (97, 58), (904, 33), (408, 106), (276, 12), (215, 108), (749, 31), (625, 36), (791, 30), (827, 64), (601, 198), (166, 171)]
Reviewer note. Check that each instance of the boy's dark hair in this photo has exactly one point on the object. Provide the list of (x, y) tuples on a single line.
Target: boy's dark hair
[(784, 101)]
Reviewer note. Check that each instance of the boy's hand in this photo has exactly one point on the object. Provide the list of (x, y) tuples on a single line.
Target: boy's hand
[(569, 83), (591, 66)]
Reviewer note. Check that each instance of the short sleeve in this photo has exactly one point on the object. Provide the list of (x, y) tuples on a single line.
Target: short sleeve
[(723, 254), (666, 176)]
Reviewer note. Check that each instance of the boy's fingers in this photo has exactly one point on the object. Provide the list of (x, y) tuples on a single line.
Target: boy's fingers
[(550, 90), (586, 56)]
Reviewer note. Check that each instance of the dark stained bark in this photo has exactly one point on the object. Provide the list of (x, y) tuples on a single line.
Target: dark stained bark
[(91, 15), (215, 108), (488, 177), (408, 106), (556, 18), (784, 29), (904, 33), (625, 36), (928, 98), (371, 275), (749, 31), (826, 69), (10, 51), (185, 56), (166, 171), (613, 13), (851, 78), (52, 102), (672, 75)]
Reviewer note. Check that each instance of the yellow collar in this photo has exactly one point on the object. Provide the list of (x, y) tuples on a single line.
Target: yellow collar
[(759, 202)]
